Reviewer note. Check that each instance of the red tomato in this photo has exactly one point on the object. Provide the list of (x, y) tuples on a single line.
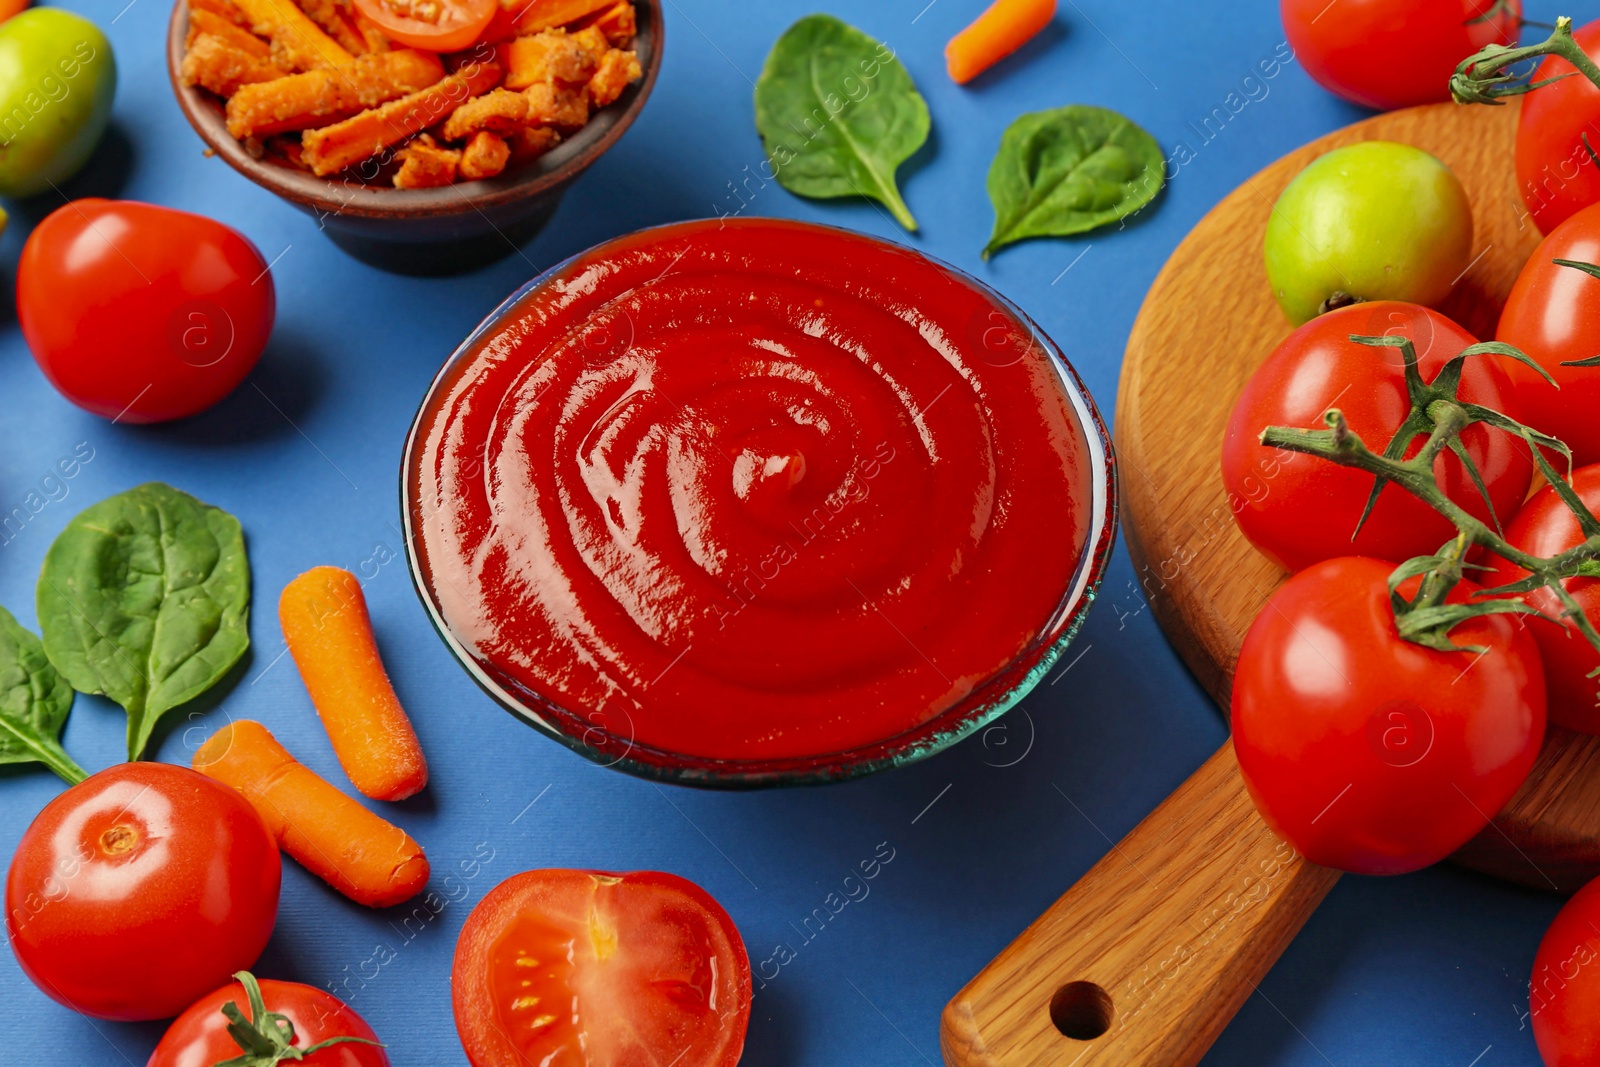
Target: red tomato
[(1394, 53), (432, 25), (140, 890), (1564, 995), (1553, 315), (199, 1037), (1367, 752), (1300, 509), (1544, 527), (141, 313), (603, 970), (1557, 175)]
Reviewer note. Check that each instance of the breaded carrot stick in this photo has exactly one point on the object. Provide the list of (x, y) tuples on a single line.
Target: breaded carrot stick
[(222, 8), (218, 65), (324, 617), (367, 859), (301, 42), (531, 16), (333, 148), (318, 97), (202, 21), (1005, 27)]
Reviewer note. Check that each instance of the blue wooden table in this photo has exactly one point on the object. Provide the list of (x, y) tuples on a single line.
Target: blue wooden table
[(1427, 969)]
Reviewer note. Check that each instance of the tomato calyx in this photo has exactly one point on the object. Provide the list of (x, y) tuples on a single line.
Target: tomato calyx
[(266, 1038), (1592, 271), (1485, 77)]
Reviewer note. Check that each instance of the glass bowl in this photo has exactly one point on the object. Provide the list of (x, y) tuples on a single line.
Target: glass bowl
[(981, 707)]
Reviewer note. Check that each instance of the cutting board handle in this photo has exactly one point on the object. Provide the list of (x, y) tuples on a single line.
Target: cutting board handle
[(1145, 960)]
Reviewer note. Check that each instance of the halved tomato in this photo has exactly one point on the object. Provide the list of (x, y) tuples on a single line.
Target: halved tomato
[(432, 25), (587, 969)]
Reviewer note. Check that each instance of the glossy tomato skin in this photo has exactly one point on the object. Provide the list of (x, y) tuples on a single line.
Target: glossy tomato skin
[(1369, 753), (590, 969), (1388, 54), (1299, 509), (1545, 527), (199, 1037), (1564, 994), (141, 313), (140, 890), (1555, 171), (1553, 314)]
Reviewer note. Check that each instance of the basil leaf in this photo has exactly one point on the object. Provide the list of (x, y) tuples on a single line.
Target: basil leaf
[(34, 701), (838, 114), (1070, 170), (145, 598)]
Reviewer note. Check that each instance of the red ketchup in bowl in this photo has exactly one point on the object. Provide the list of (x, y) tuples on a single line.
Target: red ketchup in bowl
[(749, 490)]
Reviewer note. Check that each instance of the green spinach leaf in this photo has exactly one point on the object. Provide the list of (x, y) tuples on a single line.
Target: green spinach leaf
[(34, 701), (1068, 171), (838, 114), (145, 598)]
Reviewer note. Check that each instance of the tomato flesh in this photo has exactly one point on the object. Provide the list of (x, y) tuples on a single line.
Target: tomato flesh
[(1553, 314), (431, 25), (140, 890), (199, 1037), (1564, 995), (1299, 509), (1394, 53), (1546, 527), (569, 968), (140, 313), (1370, 753), (1555, 169)]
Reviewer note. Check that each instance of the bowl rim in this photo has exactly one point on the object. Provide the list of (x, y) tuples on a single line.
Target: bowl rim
[(336, 197), (979, 710)]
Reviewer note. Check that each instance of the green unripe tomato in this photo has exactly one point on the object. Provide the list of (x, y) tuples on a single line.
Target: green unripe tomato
[(1372, 221), (57, 79)]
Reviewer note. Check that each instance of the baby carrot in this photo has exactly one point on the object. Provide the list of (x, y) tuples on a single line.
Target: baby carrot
[(1005, 27), (371, 861), (324, 619)]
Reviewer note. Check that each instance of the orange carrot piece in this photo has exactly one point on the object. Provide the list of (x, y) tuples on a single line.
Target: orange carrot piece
[(371, 861), (318, 97), (331, 16), (1005, 27), (222, 8), (531, 142), (324, 618), (301, 42), (485, 156), (202, 21), (425, 164), (215, 63), (619, 22), (617, 71), (500, 111), (344, 144), (534, 15)]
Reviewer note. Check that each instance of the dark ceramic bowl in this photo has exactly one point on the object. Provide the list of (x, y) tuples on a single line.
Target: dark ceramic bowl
[(977, 711), (427, 231)]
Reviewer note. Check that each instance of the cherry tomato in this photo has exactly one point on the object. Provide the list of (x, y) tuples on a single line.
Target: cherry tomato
[(199, 1037), (1367, 752), (432, 25), (605, 970), (1544, 527), (1394, 53), (1371, 221), (1564, 995), (1553, 315), (1300, 509), (140, 890), (1557, 174), (141, 313)]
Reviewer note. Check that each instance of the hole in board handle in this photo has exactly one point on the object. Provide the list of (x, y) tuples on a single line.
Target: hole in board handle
[(1081, 1010)]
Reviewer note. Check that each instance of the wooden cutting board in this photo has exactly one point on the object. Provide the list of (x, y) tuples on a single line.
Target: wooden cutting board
[(1148, 957)]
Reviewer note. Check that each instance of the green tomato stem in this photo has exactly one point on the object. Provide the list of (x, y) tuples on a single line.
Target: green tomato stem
[(1481, 78)]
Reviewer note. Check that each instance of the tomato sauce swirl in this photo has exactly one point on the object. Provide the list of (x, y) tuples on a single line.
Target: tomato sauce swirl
[(750, 490)]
